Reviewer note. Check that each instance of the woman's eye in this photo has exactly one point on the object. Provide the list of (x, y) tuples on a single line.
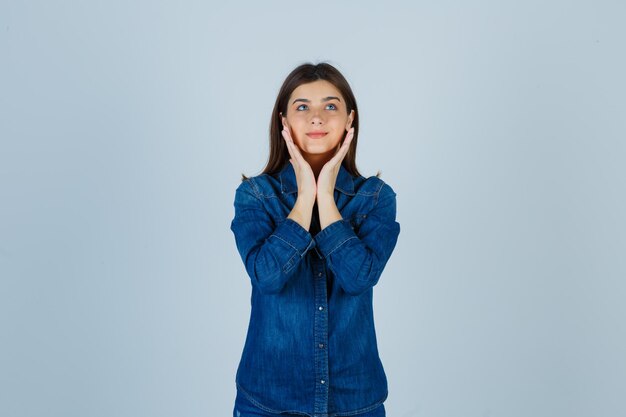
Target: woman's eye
[(331, 104)]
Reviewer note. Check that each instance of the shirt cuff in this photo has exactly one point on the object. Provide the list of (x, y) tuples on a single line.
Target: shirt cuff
[(333, 236), (296, 236)]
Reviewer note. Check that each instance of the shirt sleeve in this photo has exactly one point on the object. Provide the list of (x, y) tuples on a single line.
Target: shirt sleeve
[(270, 252), (357, 260)]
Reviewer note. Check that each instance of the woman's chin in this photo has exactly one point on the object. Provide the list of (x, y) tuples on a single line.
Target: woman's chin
[(318, 150)]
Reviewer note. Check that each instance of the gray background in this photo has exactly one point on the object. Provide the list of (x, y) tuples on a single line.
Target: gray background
[(124, 129)]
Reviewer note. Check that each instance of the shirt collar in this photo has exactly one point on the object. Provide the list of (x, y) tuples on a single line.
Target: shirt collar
[(288, 183)]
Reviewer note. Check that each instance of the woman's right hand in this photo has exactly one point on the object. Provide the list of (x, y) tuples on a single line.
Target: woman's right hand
[(302, 211), (307, 187)]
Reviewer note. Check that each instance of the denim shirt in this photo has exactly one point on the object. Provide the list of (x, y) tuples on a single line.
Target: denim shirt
[(311, 344)]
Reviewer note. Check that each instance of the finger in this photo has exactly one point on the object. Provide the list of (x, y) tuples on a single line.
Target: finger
[(349, 136), (288, 134), (298, 160), (347, 141), (296, 154), (293, 151), (343, 149), (288, 143)]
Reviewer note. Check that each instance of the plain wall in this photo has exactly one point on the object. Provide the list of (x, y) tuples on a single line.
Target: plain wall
[(124, 130)]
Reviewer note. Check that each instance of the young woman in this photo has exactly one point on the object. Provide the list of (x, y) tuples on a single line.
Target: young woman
[(314, 236)]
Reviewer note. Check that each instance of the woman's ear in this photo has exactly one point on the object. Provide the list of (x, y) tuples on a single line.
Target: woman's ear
[(283, 119)]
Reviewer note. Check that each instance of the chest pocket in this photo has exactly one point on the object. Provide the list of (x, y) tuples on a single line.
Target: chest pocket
[(356, 220)]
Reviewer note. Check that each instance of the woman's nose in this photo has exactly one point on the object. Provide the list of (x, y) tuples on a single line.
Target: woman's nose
[(316, 117)]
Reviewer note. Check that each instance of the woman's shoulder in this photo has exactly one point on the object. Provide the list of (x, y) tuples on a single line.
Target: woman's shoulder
[(261, 185), (373, 185), (269, 185)]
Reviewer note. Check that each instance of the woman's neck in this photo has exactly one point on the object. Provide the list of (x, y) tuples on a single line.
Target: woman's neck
[(317, 161)]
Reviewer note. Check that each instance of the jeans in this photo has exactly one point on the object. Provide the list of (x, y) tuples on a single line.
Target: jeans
[(244, 408)]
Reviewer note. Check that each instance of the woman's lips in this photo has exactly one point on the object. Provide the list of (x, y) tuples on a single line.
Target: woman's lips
[(316, 135)]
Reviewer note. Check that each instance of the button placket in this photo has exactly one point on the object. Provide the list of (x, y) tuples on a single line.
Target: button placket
[(321, 340)]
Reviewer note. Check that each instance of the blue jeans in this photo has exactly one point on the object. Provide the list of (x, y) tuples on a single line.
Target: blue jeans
[(244, 408)]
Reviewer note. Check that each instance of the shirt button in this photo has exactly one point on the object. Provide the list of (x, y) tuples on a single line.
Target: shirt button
[(321, 345), (321, 308), (322, 381), (319, 274)]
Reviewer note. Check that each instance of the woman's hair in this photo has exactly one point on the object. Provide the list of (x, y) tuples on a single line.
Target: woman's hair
[(303, 74)]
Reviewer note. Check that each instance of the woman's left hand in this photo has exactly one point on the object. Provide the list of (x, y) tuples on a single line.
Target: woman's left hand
[(328, 174)]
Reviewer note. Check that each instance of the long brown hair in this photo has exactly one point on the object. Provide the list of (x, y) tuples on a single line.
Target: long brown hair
[(306, 73)]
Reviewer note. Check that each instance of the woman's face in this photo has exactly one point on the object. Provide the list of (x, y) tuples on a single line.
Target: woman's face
[(317, 107)]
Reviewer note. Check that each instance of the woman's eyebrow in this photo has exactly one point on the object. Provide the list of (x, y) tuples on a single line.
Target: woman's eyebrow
[(324, 99)]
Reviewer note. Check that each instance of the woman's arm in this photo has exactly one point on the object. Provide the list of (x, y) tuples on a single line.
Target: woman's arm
[(357, 261), (269, 252)]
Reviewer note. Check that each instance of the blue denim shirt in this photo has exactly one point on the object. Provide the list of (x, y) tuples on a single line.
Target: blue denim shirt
[(311, 344)]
